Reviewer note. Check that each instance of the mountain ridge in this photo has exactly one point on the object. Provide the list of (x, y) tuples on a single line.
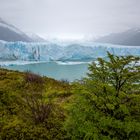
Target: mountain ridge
[(10, 33), (129, 37)]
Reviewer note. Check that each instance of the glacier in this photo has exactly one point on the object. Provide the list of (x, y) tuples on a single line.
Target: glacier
[(53, 51)]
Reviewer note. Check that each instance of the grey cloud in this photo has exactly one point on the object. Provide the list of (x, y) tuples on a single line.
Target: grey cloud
[(72, 17)]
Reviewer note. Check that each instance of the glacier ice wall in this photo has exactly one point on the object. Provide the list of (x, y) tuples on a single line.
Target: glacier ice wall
[(57, 51)]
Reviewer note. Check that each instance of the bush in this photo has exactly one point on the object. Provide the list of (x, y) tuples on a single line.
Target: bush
[(106, 106), (33, 78)]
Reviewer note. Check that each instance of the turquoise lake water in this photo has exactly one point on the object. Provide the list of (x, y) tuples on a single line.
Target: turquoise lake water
[(54, 70)]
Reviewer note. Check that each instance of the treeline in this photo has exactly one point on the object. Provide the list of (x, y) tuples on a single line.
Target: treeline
[(103, 106)]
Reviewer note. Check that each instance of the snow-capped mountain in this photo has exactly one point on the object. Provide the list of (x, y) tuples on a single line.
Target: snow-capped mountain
[(65, 52), (130, 38), (9, 32), (35, 37)]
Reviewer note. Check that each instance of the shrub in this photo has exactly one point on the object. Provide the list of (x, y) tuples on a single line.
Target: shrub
[(33, 78)]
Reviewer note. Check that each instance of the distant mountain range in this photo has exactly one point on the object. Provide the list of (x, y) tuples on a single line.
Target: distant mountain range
[(9, 33), (130, 38)]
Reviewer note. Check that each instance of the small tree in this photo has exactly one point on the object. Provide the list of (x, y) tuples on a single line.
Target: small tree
[(107, 102), (119, 72)]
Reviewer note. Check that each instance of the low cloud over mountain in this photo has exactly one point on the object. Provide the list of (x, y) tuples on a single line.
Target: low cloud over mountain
[(9, 32), (130, 38)]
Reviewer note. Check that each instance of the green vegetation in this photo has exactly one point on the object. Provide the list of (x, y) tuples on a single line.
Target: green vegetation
[(31, 106), (103, 106)]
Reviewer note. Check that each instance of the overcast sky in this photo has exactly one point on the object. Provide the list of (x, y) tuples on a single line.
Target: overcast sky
[(71, 18)]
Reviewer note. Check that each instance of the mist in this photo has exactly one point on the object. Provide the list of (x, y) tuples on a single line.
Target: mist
[(71, 18)]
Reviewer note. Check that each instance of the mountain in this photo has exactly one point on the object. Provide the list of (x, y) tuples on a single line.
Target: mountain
[(56, 52), (130, 38), (9, 32), (35, 37)]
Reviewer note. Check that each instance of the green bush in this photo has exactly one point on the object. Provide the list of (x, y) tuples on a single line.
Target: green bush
[(107, 103)]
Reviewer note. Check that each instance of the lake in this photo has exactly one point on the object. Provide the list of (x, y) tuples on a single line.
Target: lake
[(60, 71)]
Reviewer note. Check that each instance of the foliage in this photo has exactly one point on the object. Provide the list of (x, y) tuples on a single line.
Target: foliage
[(27, 111), (103, 106), (107, 103)]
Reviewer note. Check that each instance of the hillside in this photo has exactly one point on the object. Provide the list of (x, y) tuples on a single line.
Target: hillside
[(26, 100), (11, 33), (103, 106), (130, 38)]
